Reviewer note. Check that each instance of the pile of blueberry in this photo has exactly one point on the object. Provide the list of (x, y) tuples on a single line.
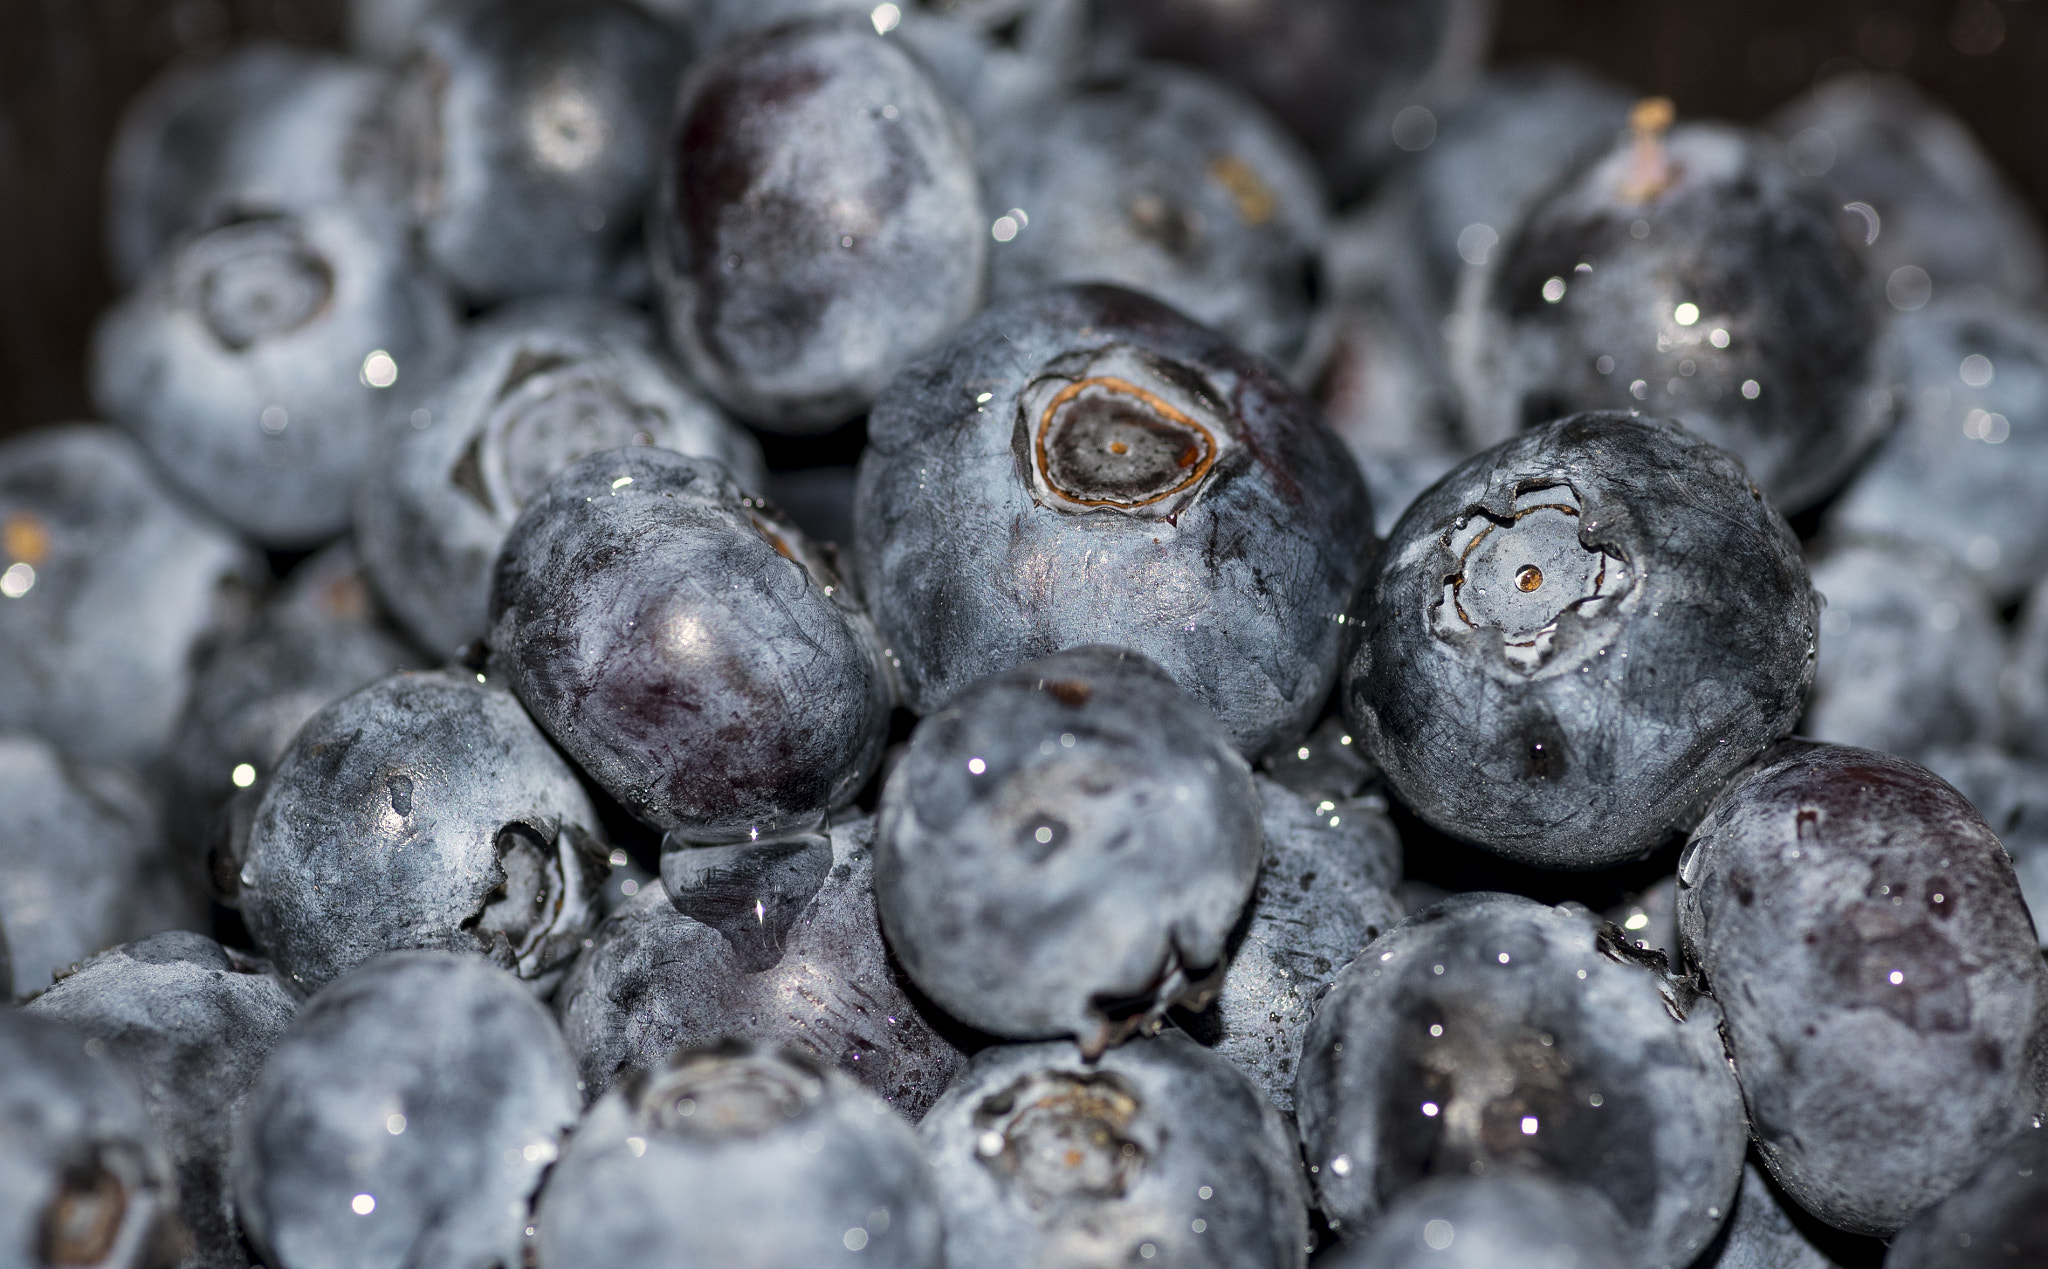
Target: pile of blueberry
[(1028, 633)]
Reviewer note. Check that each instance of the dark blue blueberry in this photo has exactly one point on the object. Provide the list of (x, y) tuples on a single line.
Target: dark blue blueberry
[(818, 222), (1160, 1151), (84, 1179), (1490, 1033), (262, 128), (775, 942), (1966, 470), (1842, 904), (1910, 653), (108, 587), (2011, 793), (692, 650), (1763, 1234), (1064, 849), (1088, 466), (740, 1155), (1999, 1216), (1941, 217), (405, 1118), (2026, 676), (1694, 275), (1165, 181), (424, 811), (194, 1022), (533, 388), (1574, 638), (1488, 1222), (1328, 762), (83, 864), (527, 132), (255, 359)]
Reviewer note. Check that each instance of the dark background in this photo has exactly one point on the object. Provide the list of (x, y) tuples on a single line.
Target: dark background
[(68, 66)]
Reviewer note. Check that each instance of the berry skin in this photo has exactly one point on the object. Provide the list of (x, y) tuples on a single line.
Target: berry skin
[(1485, 1222), (689, 648), (2011, 793), (195, 1022), (1574, 638), (424, 811), (1841, 903), (1998, 1217), (776, 942), (1088, 466), (1064, 849), (1160, 1151), (1508, 1060), (817, 222), (405, 1118), (740, 1155), (1763, 1232)]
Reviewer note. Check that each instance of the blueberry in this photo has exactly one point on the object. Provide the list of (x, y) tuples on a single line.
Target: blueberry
[(1574, 638), (818, 222), (1089, 466), (1697, 275), (1350, 79), (1841, 903), (527, 132), (405, 1118), (533, 388), (740, 1155), (689, 648), (1325, 891), (262, 128), (2026, 677), (253, 363), (84, 1179), (316, 642), (1165, 181), (1942, 218), (1910, 652), (1650, 918), (108, 586), (1962, 472), (194, 1022), (994, 58), (1328, 762), (2011, 793), (1484, 1222), (424, 811), (1158, 1151), (82, 862), (1490, 1032), (1998, 1217), (1764, 1232), (775, 942), (1065, 848), (383, 30)]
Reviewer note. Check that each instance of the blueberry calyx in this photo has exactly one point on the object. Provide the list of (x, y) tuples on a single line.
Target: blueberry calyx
[(83, 1220), (731, 1092), (1123, 432), (255, 280), (1523, 572), (1059, 1136)]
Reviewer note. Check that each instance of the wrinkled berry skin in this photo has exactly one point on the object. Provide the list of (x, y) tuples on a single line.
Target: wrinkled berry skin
[(1337, 72), (1064, 849), (533, 388), (263, 127), (194, 1022), (1325, 891), (84, 1179), (808, 970), (1574, 638), (434, 1084), (526, 133), (1942, 205), (1736, 244), (424, 811), (1486, 1222), (1508, 1059), (1044, 1157), (689, 648), (82, 862), (2000, 1215), (119, 584), (245, 363), (1841, 903), (817, 222), (740, 1155), (1223, 541), (1966, 469), (1910, 654), (1167, 182)]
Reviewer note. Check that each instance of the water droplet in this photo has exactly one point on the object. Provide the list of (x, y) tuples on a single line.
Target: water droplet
[(855, 1239), (363, 1204), (394, 1124), (379, 370), (1686, 314), (885, 17), (1438, 1234), (1553, 290), (243, 775)]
